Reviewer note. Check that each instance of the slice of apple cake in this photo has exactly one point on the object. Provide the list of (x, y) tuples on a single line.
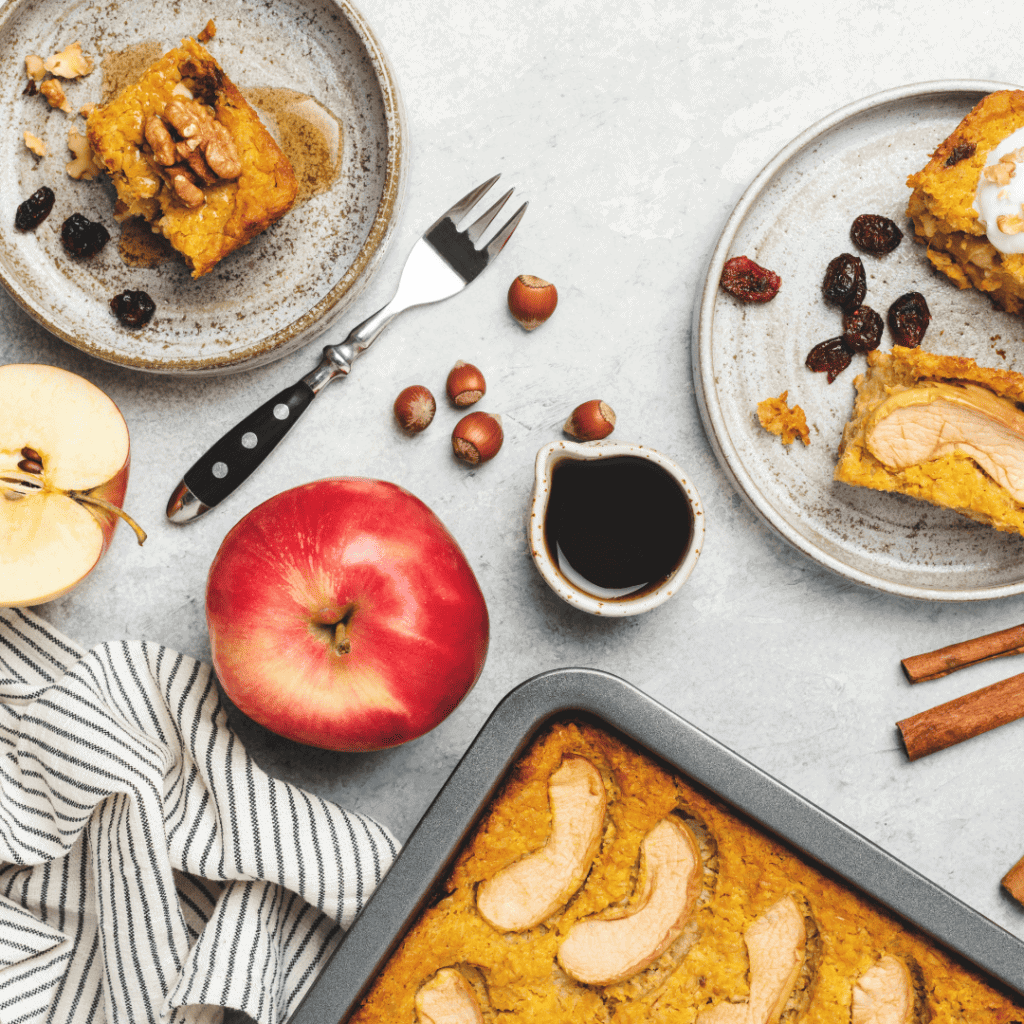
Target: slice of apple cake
[(966, 203), (187, 153), (942, 429)]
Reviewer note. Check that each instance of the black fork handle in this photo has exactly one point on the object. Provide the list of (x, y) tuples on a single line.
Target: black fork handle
[(240, 451)]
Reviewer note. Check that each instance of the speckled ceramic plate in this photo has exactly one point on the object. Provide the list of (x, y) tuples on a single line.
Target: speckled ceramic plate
[(794, 218), (268, 298)]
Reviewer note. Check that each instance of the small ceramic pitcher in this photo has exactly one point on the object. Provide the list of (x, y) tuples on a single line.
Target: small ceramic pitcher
[(561, 582)]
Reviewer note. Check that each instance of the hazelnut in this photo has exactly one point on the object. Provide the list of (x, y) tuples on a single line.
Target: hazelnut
[(415, 408), (477, 437), (531, 300), (590, 421), (465, 384)]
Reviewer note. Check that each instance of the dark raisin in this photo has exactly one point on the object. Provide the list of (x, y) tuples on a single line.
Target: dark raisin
[(845, 284), (875, 234), (862, 329), (743, 278), (31, 89), (908, 319), (961, 151), (831, 357), (34, 210), (133, 309), (83, 237)]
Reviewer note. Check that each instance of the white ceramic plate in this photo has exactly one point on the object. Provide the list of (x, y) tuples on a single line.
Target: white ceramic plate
[(264, 300), (794, 218)]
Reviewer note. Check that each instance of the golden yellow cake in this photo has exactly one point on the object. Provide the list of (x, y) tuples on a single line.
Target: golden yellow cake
[(942, 203), (942, 429), (760, 926), (187, 153)]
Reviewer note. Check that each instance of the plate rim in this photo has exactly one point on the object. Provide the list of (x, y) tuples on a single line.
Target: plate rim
[(312, 322), (711, 415)]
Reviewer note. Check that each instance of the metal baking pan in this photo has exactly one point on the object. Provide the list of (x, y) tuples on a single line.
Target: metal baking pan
[(433, 846)]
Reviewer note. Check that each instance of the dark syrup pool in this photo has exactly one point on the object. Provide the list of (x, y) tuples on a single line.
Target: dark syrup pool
[(616, 526)]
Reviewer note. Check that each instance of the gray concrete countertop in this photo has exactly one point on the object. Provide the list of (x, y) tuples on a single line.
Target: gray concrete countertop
[(632, 128)]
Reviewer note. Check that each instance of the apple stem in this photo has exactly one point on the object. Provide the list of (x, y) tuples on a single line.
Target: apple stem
[(107, 506), (342, 644)]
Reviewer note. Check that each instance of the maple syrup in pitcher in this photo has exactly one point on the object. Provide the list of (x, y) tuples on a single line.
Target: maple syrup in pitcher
[(616, 526)]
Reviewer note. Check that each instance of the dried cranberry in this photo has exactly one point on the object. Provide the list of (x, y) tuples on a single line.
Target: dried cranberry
[(862, 329), (34, 210), (961, 151), (83, 237), (133, 309), (845, 284), (908, 319), (743, 278), (831, 357), (875, 234)]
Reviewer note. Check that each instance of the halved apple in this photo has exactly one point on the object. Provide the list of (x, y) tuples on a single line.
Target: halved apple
[(64, 456)]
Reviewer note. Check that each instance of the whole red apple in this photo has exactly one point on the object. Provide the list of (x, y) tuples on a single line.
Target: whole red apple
[(344, 615)]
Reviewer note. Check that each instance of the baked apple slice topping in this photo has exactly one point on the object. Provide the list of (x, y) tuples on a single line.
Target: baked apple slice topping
[(609, 949), (936, 418), (776, 946), (531, 889), (447, 999), (64, 455), (884, 994)]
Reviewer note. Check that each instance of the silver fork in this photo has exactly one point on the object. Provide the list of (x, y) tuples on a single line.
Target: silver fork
[(442, 262)]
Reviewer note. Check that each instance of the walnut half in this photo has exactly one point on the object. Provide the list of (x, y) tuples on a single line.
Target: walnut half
[(191, 148)]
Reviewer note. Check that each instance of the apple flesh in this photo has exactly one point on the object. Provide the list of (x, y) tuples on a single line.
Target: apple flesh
[(53, 526), (343, 615)]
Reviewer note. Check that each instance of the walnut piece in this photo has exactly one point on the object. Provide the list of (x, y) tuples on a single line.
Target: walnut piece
[(185, 188), (160, 141), (35, 67), (1000, 173), (199, 151), (84, 166), (1010, 225), (35, 144), (70, 62), (54, 93)]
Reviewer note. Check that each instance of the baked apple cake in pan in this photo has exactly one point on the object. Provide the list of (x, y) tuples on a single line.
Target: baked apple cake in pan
[(966, 204), (188, 154), (602, 886)]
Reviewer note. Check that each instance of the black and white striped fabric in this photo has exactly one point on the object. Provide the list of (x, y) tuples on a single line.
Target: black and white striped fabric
[(149, 870)]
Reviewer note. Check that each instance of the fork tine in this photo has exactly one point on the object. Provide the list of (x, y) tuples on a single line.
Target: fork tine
[(467, 202), (497, 243), (477, 228)]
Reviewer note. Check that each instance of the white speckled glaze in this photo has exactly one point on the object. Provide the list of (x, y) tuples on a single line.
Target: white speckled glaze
[(547, 458), (794, 218), (264, 300)]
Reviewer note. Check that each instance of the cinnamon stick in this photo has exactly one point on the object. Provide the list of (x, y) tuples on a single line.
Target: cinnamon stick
[(936, 664), (960, 719), (1013, 881)]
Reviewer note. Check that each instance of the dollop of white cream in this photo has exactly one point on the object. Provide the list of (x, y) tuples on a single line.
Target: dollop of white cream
[(992, 200)]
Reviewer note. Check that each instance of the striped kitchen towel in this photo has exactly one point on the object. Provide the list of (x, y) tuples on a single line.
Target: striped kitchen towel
[(149, 870)]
